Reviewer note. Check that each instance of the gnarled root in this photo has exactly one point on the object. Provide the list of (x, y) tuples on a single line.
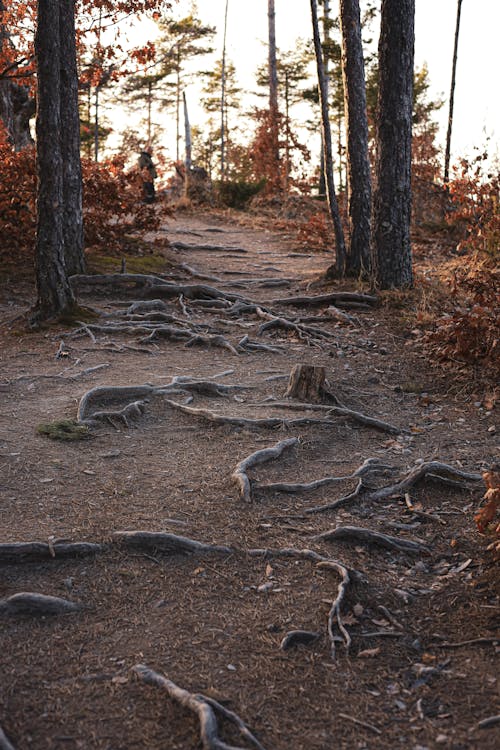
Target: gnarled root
[(357, 534), (205, 709), (170, 544), (240, 476), (38, 605), (334, 616), (17, 552)]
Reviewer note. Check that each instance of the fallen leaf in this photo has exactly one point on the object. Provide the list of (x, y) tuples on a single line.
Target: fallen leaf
[(269, 570), (369, 653)]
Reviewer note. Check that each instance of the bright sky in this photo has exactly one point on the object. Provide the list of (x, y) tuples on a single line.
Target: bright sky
[(477, 104)]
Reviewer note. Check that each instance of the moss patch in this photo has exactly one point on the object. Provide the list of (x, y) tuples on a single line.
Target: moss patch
[(63, 429)]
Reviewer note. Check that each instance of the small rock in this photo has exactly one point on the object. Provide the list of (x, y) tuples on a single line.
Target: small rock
[(492, 429), (441, 739), (231, 668)]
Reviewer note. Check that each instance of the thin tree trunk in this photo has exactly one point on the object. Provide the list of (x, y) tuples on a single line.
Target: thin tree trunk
[(340, 260), (187, 143), (326, 40), (223, 101), (54, 292), (452, 97), (70, 143), (392, 259), (358, 164), (178, 107), (273, 88)]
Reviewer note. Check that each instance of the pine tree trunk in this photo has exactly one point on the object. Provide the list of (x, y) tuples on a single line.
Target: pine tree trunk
[(327, 147), (392, 200), (273, 90), (358, 164), (452, 97), (70, 143), (17, 107), (54, 292)]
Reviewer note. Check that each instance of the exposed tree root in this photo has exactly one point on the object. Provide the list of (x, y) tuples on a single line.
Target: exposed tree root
[(198, 274), (247, 345), (240, 476), (338, 411), (342, 299), (209, 248), (216, 340), (90, 409), (18, 552), (357, 534), (305, 333), (334, 616), (38, 605), (4, 742), (269, 422), (434, 470), (170, 544), (298, 638), (150, 286), (369, 467), (205, 709)]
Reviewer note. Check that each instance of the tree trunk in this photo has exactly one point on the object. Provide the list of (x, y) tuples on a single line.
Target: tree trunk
[(452, 97), (54, 291), (392, 201), (326, 41), (16, 105), (273, 90), (223, 101), (70, 143), (327, 147), (306, 383), (358, 164)]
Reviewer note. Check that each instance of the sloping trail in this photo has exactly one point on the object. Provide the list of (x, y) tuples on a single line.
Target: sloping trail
[(213, 623)]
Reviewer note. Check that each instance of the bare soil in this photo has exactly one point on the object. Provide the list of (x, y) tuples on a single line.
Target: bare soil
[(213, 624)]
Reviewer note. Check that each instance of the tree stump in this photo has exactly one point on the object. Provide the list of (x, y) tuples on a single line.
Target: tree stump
[(306, 383)]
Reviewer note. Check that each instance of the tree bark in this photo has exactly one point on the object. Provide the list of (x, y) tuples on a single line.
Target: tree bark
[(392, 200), (306, 383), (358, 164), (70, 143), (340, 260), (452, 97), (273, 88), (54, 291), (17, 107)]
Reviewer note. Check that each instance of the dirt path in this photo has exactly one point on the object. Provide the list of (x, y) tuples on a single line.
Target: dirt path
[(213, 623)]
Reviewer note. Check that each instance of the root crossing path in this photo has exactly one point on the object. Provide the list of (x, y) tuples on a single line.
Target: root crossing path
[(294, 575)]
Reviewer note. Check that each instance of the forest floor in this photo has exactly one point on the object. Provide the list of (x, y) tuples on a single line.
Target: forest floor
[(421, 670)]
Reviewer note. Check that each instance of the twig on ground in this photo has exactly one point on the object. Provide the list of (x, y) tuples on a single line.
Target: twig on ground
[(360, 723), (239, 475), (471, 642), (203, 707)]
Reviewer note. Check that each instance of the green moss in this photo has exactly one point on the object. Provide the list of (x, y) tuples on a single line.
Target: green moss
[(63, 429), (76, 314), (148, 264)]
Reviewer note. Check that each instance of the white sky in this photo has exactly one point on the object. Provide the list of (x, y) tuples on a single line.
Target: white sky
[(477, 102)]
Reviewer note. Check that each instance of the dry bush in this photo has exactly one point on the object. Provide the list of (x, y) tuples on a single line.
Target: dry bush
[(112, 204)]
